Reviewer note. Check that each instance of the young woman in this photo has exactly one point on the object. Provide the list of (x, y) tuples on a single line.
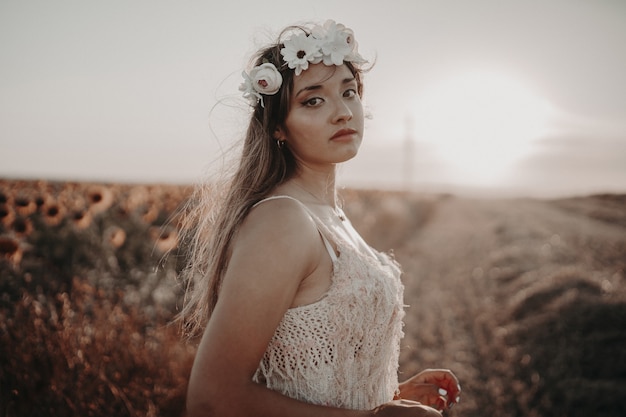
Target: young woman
[(300, 317)]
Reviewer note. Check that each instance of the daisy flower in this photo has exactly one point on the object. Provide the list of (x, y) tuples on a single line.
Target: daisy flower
[(299, 51)]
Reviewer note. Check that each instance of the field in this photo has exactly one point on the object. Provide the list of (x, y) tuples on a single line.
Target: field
[(523, 298)]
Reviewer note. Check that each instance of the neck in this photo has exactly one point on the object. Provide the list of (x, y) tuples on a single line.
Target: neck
[(320, 186)]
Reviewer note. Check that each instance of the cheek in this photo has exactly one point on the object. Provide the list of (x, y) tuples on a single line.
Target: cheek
[(358, 113), (300, 126)]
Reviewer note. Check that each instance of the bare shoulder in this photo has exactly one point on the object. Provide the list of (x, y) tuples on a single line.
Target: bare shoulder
[(279, 226), (276, 248), (284, 214)]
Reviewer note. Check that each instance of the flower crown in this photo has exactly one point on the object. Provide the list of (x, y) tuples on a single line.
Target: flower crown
[(332, 44)]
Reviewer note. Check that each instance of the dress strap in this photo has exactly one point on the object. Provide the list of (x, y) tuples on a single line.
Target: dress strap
[(329, 247)]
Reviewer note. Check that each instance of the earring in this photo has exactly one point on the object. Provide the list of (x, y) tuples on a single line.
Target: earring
[(280, 143)]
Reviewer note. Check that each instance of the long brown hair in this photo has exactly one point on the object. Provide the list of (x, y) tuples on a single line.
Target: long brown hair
[(213, 217)]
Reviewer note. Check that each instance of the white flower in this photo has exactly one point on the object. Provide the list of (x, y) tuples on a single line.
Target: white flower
[(337, 43), (248, 90), (263, 79), (336, 48), (266, 79), (332, 44), (299, 51)]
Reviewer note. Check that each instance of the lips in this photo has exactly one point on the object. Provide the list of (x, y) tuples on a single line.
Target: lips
[(342, 133)]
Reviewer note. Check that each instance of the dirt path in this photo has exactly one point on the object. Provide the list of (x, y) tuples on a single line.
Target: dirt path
[(439, 262), (449, 278)]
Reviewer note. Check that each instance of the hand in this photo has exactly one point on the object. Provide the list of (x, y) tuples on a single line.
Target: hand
[(405, 408), (438, 388)]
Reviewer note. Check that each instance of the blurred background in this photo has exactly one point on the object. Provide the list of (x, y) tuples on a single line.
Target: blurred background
[(109, 111), (523, 98)]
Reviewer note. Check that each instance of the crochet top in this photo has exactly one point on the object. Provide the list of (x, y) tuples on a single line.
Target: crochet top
[(343, 349)]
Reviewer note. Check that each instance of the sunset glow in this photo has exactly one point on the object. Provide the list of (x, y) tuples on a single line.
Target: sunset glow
[(479, 123)]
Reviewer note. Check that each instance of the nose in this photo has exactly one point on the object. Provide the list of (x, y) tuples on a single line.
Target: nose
[(342, 111)]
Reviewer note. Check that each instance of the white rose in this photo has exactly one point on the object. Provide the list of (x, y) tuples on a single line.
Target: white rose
[(266, 79)]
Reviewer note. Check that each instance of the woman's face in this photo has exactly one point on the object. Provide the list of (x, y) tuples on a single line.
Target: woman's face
[(324, 125)]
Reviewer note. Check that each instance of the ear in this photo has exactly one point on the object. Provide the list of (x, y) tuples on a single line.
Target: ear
[(279, 134)]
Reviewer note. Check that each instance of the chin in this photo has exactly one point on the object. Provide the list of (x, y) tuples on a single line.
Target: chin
[(351, 154)]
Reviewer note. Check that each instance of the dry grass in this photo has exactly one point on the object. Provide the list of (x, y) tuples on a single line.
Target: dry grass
[(523, 299)]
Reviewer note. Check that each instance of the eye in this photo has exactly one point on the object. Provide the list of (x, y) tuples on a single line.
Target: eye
[(350, 93), (313, 102)]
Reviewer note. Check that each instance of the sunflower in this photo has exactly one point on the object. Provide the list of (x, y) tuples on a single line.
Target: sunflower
[(7, 215), (24, 205), (52, 213), (22, 226), (150, 213), (82, 219), (11, 250), (99, 198), (5, 196), (115, 236), (165, 239)]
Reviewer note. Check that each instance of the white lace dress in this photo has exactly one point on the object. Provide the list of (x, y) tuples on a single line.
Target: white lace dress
[(342, 350)]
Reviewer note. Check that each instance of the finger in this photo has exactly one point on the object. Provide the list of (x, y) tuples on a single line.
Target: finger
[(442, 375), (446, 380), (443, 400), (453, 392), (436, 397)]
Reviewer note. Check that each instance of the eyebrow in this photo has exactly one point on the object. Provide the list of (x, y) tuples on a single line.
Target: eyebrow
[(319, 86)]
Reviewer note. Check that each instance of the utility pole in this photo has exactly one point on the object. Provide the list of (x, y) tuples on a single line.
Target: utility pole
[(408, 157)]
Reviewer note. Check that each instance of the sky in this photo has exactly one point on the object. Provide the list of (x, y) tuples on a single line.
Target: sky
[(518, 97)]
